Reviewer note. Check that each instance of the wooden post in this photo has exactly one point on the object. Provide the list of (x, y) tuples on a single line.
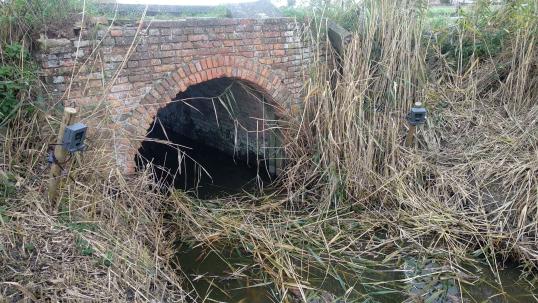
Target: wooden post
[(60, 154), (410, 135)]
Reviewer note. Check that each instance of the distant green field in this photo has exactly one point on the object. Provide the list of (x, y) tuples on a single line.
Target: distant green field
[(135, 12), (440, 16), (441, 11)]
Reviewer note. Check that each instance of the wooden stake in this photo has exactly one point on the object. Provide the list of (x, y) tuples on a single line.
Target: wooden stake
[(410, 135), (60, 154)]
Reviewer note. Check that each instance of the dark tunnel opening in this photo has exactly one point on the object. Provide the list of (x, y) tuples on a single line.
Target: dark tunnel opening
[(223, 138)]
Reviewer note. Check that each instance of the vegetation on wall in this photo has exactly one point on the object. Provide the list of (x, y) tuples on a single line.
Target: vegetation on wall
[(347, 13), (21, 22), (134, 12), (22, 19)]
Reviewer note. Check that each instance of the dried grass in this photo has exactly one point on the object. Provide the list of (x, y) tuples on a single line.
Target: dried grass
[(106, 242), (468, 185)]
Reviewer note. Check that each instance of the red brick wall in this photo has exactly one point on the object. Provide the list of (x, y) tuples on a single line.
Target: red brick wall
[(132, 70)]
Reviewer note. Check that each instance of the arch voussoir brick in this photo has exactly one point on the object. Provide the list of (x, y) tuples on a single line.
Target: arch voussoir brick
[(199, 71)]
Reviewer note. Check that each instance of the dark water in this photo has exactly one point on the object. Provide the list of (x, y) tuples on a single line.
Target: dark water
[(204, 171), (227, 276), (231, 275)]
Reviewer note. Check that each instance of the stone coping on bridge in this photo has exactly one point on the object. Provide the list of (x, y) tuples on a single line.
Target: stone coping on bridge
[(218, 21), (199, 21)]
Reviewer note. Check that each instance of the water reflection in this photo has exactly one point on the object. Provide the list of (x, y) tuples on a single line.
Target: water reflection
[(231, 275)]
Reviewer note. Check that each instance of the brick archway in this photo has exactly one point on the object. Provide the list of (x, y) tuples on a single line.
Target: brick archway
[(196, 72)]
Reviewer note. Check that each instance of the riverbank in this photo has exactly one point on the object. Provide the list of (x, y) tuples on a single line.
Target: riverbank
[(105, 241)]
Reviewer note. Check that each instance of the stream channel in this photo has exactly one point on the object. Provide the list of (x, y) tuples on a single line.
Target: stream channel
[(210, 275), (412, 279)]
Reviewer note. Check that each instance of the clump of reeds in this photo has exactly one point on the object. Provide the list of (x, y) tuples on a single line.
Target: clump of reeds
[(467, 185), (104, 240), (470, 181)]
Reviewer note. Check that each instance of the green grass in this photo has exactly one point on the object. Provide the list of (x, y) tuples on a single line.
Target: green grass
[(439, 17), (441, 11), (29, 247), (3, 217), (107, 259), (65, 217), (7, 189), (294, 12), (84, 247), (135, 14)]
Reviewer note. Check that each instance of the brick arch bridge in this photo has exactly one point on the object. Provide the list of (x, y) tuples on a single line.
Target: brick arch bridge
[(135, 69)]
